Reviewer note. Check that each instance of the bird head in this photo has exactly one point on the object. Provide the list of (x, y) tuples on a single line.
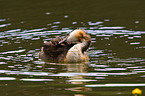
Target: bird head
[(76, 36)]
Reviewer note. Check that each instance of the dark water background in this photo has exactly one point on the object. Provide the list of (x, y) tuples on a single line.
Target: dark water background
[(117, 52)]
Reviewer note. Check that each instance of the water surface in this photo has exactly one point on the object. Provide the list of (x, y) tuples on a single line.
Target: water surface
[(117, 60)]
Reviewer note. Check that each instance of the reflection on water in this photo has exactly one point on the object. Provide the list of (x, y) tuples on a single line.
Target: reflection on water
[(117, 55), (116, 60)]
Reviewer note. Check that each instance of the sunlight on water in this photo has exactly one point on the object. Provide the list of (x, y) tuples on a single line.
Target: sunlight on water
[(4, 25), (8, 52), (115, 85), (20, 54), (7, 78), (36, 79), (116, 64), (115, 58)]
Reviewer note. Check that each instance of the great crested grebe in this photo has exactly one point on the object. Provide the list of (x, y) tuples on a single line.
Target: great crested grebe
[(70, 49)]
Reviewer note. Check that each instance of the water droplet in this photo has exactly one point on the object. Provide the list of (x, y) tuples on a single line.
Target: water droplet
[(47, 13), (135, 43), (56, 22), (136, 21), (2, 20), (106, 19), (74, 22), (66, 16)]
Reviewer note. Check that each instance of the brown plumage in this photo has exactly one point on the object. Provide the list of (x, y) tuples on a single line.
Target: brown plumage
[(70, 49)]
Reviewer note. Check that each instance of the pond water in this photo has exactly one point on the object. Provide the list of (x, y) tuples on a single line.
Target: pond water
[(117, 52)]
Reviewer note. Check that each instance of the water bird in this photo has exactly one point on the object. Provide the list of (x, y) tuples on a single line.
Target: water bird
[(72, 48)]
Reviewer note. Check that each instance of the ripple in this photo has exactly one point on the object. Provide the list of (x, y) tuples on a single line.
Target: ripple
[(116, 85), (112, 28), (3, 63), (74, 22), (135, 43), (2, 20), (14, 30), (36, 79), (97, 66), (80, 80), (105, 63), (4, 25), (66, 16), (96, 23), (34, 30), (7, 78), (112, 69), (47, 13), (56, 22), (25, 73), (16, 51), (91, 74)]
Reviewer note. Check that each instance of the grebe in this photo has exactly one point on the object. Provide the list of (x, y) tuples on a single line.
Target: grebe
[(70, 49)]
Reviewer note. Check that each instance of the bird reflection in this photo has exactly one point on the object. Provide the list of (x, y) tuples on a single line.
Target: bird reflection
[(81, 69), (75, 73)]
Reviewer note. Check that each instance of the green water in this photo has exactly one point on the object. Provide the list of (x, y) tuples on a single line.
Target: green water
[(117, 52)]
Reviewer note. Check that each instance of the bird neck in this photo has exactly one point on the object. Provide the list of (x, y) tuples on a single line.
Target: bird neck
[(85, 45)]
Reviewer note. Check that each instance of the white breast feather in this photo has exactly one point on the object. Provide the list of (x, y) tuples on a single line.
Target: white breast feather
[(75, 54)]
